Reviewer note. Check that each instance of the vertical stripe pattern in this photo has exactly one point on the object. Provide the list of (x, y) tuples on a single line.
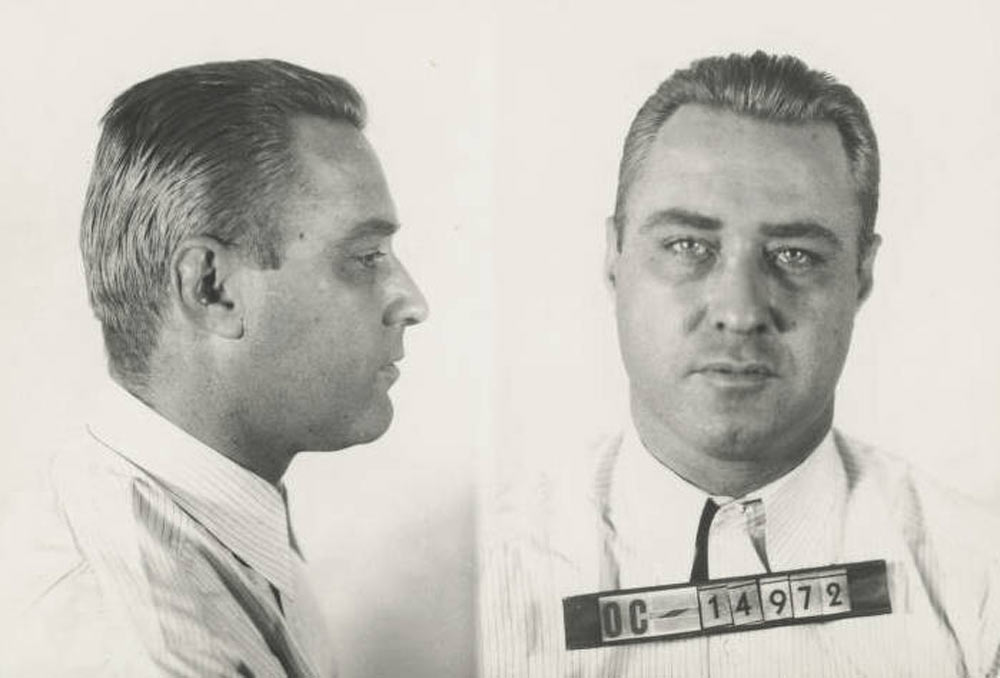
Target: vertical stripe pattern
[(845, 503), (161, 558)]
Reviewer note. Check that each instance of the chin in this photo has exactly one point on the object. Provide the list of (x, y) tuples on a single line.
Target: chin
[(734, 441), (358, 428), (372, 425)]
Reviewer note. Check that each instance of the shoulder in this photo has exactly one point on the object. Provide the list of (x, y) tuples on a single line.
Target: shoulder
[(551, 494), (53, 530), (933, 512), (116, 512), (103, 509), (952, 541), (541, 532), (48, 592), (543, 527), (66, 541), (104, 568)]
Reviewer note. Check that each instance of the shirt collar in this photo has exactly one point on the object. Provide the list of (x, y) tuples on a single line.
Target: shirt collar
[(805, 508), (649, 504), (241, 509)]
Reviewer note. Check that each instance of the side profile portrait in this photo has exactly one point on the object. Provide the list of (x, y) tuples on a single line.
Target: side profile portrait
[(729, 528), (237, 242)]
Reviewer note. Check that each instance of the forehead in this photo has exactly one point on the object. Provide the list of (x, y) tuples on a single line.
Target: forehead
[(734, 165), (338, 180), (333, 154)]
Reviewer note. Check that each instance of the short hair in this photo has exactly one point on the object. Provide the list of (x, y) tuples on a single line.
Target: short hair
[(767, 87), (205, 150)]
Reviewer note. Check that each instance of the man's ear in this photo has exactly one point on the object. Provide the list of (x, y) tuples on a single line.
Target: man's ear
[(866, 267), (204, 286), (611, 253)]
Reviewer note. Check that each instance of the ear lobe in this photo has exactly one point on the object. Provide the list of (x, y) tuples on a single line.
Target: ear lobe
[(204, 286), (611, 253), (866, 267)]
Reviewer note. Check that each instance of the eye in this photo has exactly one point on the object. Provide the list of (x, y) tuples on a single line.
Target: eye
[(691, 249), (371, 259), (795, 258)]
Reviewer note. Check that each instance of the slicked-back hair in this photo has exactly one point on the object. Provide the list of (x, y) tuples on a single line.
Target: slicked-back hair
[(767, 87), (205, 150)]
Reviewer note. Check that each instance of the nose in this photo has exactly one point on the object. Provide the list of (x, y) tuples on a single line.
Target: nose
[(739, 299), (407, 305)]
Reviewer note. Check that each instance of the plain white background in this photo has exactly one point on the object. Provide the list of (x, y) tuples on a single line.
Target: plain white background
[(500, 128)]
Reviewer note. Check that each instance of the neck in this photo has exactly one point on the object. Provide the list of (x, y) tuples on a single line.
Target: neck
[(202, 406), (734, 472)]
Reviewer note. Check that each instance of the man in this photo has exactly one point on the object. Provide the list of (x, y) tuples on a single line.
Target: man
[(236, 241), (741, 248)]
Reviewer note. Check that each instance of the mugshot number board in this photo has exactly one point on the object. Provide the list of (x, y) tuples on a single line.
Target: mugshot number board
[(726, 605)]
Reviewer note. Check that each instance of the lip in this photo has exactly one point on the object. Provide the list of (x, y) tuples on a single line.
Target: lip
[(390, 372), (738, 368), (734, 374)]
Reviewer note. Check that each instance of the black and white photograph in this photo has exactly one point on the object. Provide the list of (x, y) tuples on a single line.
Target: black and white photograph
[(748, 427), (501, 339)]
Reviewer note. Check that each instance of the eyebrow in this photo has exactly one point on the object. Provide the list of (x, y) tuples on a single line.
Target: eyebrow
[(802, 229), (676, 216), (372, 227)]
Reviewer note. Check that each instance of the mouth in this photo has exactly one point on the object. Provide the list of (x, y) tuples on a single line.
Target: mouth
[(736, 374), (389, 371)]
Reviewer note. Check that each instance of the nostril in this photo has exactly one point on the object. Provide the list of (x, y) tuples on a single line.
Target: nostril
[(741, 325)]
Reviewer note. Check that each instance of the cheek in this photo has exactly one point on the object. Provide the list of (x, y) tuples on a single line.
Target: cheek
[(646, 295), (315, 334), (824, 335), (650, 325)]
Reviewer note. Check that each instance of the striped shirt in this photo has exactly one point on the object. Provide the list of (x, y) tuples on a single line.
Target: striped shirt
[(622, 520), (150, 554)]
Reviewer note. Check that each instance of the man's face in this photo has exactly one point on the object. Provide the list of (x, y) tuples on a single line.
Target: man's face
[(737, 282), (325, 329)]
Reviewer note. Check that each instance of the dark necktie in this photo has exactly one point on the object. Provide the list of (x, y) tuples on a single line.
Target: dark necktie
[(699, 571)]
